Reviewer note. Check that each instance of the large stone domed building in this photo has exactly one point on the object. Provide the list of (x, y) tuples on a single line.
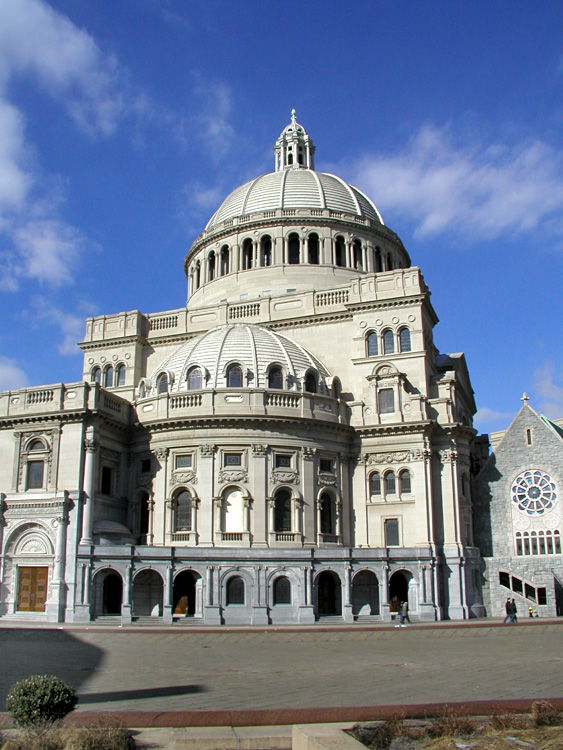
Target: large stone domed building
[(287, 446)]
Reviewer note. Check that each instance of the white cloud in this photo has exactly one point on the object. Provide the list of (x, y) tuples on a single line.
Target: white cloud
[(49, 250), (71, 325), (548, 385), (11, 376), (443, 182), (213, 123), (488, 419)]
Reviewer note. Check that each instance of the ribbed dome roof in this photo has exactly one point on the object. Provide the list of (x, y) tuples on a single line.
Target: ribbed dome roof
[(295, 188), (254, 348)]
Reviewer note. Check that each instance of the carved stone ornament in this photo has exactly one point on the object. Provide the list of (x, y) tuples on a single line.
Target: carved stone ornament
[(233, 475), (395, 457), (161, 453), (309, 454), (183, 477), (284, 477), (327, 479), (448, 456), (206, 450), (144, 480), (258, 449), (34, 546)]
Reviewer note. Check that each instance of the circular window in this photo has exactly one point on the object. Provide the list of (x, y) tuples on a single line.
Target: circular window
[(534, 493)]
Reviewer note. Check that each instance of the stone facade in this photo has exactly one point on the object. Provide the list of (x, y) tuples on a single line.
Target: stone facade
[(289, 445), (518, 518)]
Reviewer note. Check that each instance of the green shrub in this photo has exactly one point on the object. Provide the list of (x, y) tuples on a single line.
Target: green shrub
[(40, 700)]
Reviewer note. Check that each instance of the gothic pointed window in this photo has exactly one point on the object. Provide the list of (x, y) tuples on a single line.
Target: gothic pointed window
[(234, 376)]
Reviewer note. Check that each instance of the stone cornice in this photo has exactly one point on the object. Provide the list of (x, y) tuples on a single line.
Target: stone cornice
[(254, 422), (88, 346), (397, 428)]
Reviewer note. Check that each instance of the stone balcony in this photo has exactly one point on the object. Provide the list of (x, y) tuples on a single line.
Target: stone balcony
[(233, 402)]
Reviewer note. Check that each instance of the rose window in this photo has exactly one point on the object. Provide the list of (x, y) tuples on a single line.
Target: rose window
[(534, 493)]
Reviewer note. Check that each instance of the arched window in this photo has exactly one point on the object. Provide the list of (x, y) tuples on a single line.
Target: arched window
[(162, 386), (389, 262), (339, 251), (96, 376), (194, 379), (405, 340), (282, 590), (235, 590), (378, 261), (389, 483), (358, 264), (247, 254), (405, 481), (36, 445), (183, 512), (275, 378), (266, 251), (120, 375), (388, 342), (108, 377), (336, 388), (375, 483), (290, 159), (197, 275), (211, 266), (327, 514), (313, 249), (234, 376), (144, 514), (224, 260), (282, 511), (372, 344), (311, 382), (293, 244), (35, 468)]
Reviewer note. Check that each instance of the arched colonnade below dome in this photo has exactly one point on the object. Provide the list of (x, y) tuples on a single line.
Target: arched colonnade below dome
[(292, 248)]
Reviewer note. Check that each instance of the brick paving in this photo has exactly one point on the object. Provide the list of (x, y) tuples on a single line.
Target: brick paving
[(218, 669)]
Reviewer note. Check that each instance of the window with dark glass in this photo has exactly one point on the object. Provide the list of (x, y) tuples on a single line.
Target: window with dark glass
[(339, 252), (145, 465), (310, 383), (234, 376), (224, 260), (517, 585), (96, 376), (405, 482), (283, 461), (235, 590), (372, 344), (313, 249), (266, 251), (530, 592), (163, 384), (194, 379), (325, 465), (105, 482), (388, 342), (389, 483), (375, 483), (282, 511), (357, 250), (35, 471), (386, 401), (293, 249), (405, 340), (392, 532), (247, 254), (184, 462), (232, 459), (327, 514), (211, 266), (108, 377), (184, 511), (282, 590), (275, 378), (120, 375), (504, 579), (144, 519), (542, 596)]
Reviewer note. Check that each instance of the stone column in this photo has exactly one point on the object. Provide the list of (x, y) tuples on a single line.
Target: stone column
[(157, 527), (56, 600), (259, 614), (259, 484), (212, 610), (306, 613), (168, 590), (347, 605), (309, 510), (126, 604), (385, 613), (169, 521), (270, 505), (90, 447)]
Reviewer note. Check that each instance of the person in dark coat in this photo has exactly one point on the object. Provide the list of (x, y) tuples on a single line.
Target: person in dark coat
[(508, 608)]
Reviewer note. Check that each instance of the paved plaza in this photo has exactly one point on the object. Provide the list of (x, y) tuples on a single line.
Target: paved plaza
[(149, 669)]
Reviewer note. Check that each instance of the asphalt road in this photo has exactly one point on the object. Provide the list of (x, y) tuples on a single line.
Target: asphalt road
[(136, 669)]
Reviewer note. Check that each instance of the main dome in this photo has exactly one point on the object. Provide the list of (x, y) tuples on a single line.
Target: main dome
[(254, 348), (293, 188)]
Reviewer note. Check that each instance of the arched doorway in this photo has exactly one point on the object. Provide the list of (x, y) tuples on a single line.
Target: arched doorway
[(112, 594), (147, 594), (184, 594), (329, 596), (365, 593), (398, 589)]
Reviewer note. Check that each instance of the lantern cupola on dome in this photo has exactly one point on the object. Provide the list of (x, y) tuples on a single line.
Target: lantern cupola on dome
[(294, 149)]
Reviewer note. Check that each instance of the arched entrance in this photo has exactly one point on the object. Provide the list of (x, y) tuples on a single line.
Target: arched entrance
[(398, 589), (112, 594), (147, 594), (365, 593), (184, 594), (329, 595)]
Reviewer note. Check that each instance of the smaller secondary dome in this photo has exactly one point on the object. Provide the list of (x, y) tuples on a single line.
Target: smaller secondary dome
[(256, 349)]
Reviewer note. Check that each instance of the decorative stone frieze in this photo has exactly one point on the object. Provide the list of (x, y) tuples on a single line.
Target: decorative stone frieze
[(233, 475), (284, 477), (183, 477)]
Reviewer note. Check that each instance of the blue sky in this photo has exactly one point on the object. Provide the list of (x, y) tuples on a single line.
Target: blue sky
[(124, 124)]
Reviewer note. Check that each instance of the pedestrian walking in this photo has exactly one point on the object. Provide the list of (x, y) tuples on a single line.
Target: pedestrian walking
[(405, 613), (514, 612), (508, 608)]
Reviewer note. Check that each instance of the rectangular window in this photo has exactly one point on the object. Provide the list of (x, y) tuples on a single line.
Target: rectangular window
[(325, 465), (542, 545), (184, 462), (392, 532), (283, 461), (35, 475), (557, 545), (386, 401), (534, 545), (232, 459), (105, 484), (145, 466), (542, 596), (530, 592), (517, 585), (519, 549), (504, 579), (526, 545), (529, 436), (549, 545)]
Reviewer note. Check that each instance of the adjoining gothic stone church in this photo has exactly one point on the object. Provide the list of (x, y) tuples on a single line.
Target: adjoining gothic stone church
[(288, 446)]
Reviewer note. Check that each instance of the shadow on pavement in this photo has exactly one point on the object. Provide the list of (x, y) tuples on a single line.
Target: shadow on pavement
[(125, 695)]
